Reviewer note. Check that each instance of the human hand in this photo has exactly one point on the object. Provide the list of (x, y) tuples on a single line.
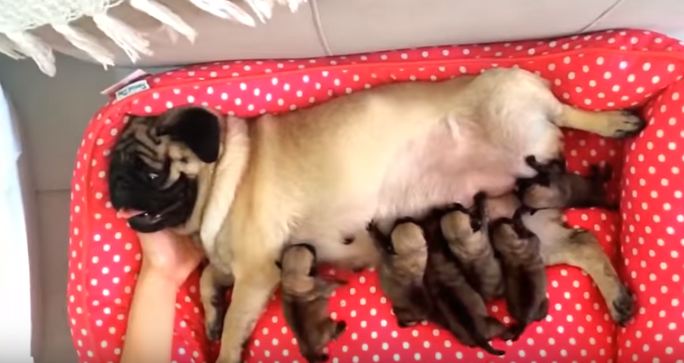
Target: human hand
[(168, 254)]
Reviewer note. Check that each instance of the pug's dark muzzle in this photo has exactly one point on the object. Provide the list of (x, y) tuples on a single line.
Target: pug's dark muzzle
[(148, 222), (161, 208), (140, 165)]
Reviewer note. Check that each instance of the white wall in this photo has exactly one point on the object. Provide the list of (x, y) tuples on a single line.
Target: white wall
[(15, 333), (52, 113)]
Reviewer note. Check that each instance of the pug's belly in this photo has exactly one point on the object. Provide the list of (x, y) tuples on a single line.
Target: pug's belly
[(427, 173), (433, 177), (333, 222), (328, 228)]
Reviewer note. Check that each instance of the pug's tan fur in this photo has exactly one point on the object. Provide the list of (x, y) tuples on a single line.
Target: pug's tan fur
[(320, 174)]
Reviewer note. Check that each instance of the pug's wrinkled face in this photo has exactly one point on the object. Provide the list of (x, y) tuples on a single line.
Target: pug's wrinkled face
[(155, 164)]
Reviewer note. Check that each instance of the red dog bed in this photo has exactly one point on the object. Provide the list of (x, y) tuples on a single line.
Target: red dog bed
[(607, 70)]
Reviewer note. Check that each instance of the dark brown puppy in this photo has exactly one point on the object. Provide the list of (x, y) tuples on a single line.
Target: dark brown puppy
[(467, 235), (305, 302), (401, 270), (457, 306), (555, 187), (424, 281), (523, 269)]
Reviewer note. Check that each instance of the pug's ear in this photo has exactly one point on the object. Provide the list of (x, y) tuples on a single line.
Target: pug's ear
[(197, 127)]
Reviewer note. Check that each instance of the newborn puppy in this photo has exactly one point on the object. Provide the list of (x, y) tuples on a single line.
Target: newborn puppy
[(424, 284), (466, 234), (554, 187), (523, 270), (457, 306), (401, 270), (305, 302)]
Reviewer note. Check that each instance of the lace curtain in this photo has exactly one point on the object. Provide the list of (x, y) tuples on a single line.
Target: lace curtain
[(18, 18)]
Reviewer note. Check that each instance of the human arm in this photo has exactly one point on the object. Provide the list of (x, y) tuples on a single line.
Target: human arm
[(168, 259)]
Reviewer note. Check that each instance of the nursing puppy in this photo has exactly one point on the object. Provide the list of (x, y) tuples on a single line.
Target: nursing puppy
[(425, 283), (305, 302), (457, 306), (401, 270), (467, 235), (555, 187), (523, 270), (322, 173), (551, 191)]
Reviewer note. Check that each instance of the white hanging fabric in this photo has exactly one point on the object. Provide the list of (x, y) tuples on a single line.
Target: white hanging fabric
[(166, 16), (8, 48), (34, 47), (127, 38), (225, 9), (85, 42), (262, 8), (19, 18)]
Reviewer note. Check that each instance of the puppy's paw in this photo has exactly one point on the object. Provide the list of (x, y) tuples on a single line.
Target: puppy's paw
[(620, 124), (340, 327), (406, 323), (514, 332), (623, 307), (508, 334), (542, 311), (494, 328)]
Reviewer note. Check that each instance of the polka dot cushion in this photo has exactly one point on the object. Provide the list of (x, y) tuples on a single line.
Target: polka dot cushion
[(607, 70), (652, 242)]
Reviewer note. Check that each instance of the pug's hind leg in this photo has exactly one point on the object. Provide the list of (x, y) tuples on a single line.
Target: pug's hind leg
[(579, 248), (615, 124), (213, 287)]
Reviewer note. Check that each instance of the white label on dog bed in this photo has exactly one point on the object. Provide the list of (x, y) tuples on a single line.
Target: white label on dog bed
[(132, 88), (131, 77)]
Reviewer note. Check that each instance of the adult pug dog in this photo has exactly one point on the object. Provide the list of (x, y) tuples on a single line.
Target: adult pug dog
[(321, 174)]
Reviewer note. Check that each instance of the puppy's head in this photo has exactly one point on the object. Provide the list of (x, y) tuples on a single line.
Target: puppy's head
[(558, 188), (407, 238), (504, 235), (543, 195), (298, 266), (155, 164), (511, 234), (457, 225)]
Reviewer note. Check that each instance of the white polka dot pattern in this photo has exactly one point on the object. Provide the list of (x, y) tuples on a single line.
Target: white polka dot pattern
[(606, 70), (653, 232)]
